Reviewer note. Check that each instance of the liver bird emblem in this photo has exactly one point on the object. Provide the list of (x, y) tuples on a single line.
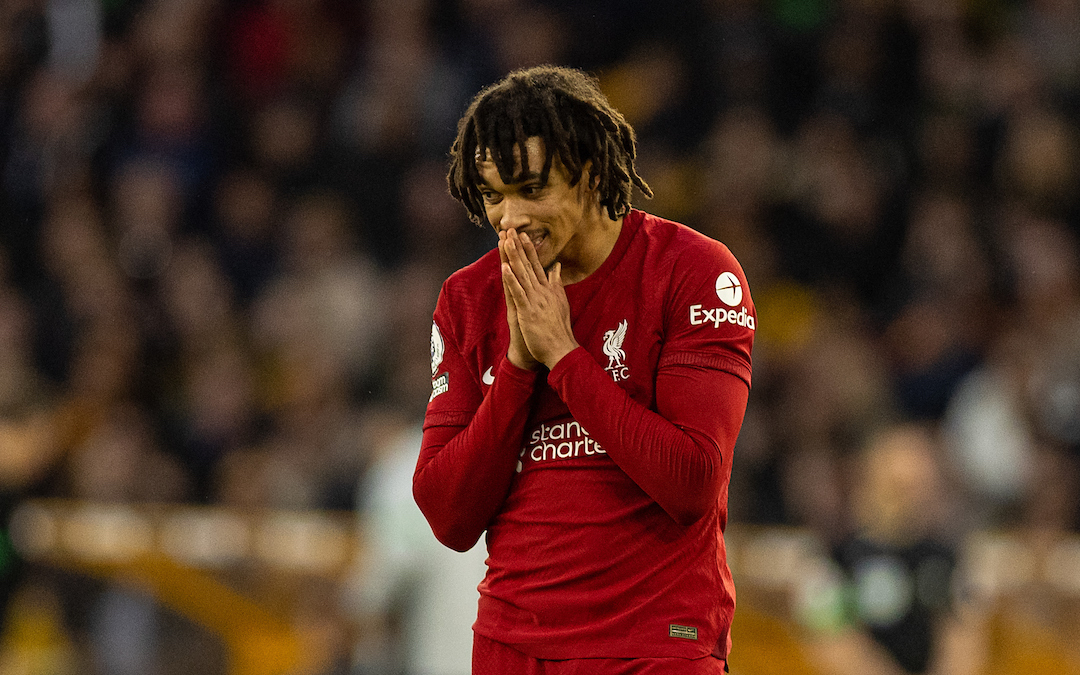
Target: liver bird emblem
[(613, 340)]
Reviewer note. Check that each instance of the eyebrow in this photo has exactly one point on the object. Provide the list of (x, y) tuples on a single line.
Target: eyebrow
[(532, 175)]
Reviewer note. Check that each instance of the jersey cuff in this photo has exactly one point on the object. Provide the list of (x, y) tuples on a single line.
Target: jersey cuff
[(568, 362), (514, 383), (447, 418), (518, 375)]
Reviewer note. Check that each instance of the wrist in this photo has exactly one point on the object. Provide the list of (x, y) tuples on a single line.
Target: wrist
[(553, 358), (507, 369), (522, 362)]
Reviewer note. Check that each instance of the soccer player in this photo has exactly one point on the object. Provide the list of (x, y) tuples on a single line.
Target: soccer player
[(589, 378)]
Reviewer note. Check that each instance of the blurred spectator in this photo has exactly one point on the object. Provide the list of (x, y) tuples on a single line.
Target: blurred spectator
[(29, 447), (944, 303), (415, 597), (46, 151), (1026, 389), (272, 47), (146, 216), (327, 307), (207, 379), (833, 393), (842, 221), (121, 461), (1040, 160), (244, 219), (895, 604)]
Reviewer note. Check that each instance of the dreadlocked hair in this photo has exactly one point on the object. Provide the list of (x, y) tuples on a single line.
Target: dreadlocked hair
[(565, 108)]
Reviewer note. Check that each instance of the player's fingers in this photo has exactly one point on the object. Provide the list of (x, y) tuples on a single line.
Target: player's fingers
[(511, 306), (519, 264), (533, 258), (512, 286), (555, 278), (502, 247)]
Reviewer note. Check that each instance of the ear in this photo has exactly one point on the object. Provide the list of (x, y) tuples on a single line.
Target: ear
[(592, 182)]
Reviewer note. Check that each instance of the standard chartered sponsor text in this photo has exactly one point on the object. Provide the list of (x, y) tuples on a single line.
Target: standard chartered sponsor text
[(560, 441)]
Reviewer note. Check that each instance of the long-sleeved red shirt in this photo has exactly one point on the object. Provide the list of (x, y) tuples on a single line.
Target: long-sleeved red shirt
[(602, 484)]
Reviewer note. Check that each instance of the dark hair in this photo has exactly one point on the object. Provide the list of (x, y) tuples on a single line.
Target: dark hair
[(565, 108)]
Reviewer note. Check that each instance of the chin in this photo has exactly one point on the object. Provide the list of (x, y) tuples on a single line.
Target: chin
[(548, 263)]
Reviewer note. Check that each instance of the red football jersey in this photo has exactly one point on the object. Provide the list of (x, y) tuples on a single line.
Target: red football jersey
[(602, 485)]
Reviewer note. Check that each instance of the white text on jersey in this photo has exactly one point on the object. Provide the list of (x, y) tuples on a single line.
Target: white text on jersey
[(701, 315)]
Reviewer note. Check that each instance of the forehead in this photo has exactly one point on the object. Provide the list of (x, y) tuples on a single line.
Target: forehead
[(534, 149)]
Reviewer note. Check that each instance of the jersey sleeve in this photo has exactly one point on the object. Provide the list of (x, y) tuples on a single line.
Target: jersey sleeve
[(471, 440), (455, 394), (710, 319), (680, 452)]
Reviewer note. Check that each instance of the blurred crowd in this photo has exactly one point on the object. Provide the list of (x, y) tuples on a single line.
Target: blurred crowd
[(224, 224)]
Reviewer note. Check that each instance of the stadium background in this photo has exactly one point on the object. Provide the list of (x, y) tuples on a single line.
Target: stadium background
[(224, 223)]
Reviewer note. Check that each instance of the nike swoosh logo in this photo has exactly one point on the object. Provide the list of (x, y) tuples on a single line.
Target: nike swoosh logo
[(487, 378)]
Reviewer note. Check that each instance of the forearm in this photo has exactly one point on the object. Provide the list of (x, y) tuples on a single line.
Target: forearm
[(675, 455), (464, 472)]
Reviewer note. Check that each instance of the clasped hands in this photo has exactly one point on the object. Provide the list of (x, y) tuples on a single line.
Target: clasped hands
[(537, 310)]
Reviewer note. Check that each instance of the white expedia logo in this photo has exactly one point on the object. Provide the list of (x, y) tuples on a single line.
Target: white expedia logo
[(729, 290), (613, 340)]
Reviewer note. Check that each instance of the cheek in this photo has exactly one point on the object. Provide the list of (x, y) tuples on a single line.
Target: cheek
[(570, 217)]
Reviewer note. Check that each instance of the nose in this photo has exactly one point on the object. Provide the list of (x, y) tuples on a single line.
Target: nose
[(512, 215)]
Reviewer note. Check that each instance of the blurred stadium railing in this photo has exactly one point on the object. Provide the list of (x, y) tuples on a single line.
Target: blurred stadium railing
[(194, 560)]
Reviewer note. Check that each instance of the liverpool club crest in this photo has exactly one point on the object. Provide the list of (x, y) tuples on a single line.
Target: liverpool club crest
[(613, 341)]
